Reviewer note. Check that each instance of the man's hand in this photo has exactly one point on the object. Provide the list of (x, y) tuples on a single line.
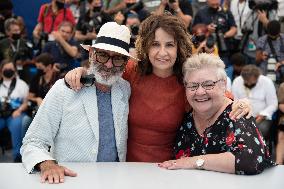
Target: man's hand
[(264, 56), (174, 5), (262, 16), (54, 173), (57, 36), (16, 113)]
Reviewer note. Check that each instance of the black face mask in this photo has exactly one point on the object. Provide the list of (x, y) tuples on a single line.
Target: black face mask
[(250, 86), (129, 4), (60, 5), (9, 73), (40, 72), (213, 10), (274, 37), (97, 9), (16, 36), (200, 38)]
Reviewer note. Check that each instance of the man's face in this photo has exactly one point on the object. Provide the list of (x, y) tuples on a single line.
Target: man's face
[(250, 82), (107, 66), (213, 3), (66, 32)]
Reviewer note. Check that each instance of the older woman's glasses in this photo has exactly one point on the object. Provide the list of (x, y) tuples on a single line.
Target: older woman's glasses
[(117, 60), (207, 85)]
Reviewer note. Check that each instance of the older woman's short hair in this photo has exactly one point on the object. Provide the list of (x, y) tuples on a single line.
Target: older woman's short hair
[(204, 60)]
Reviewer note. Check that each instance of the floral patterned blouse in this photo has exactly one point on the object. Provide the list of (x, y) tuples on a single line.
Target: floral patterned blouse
[(241, 138)]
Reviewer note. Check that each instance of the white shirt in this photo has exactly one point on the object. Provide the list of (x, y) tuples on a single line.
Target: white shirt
[(240, 10), (262, 97), (21, 90)]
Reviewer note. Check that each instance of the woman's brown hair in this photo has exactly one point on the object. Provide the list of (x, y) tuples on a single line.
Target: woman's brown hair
[(173, 26)]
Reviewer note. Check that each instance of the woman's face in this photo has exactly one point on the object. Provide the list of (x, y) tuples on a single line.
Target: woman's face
[(8, 71), (205, 100), (163, 52)]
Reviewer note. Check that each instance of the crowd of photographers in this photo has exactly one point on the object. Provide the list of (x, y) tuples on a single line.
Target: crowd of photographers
[(241, 32)]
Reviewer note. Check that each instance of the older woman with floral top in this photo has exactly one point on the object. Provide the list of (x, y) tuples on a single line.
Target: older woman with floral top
[(208, 138)]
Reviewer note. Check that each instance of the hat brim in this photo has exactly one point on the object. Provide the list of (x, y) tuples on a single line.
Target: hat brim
[(109, 47)]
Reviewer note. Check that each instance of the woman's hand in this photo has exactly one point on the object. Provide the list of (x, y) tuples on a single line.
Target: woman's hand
[(240, 108), (54, 173), (73, 78), (182, 163), (16, 113)]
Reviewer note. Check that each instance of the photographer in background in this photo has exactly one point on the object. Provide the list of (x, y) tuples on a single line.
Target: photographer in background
[(15, 48), (90, 23), (44, 79), (126, 6), (270, 52), (222, 25), (180, 8), (50, 17), (253, 25), (64, 48), (202, 41), (13, 94)]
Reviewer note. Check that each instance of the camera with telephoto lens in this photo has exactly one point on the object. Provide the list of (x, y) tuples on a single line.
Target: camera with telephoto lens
[(218, 34), (210, 41), (263, 5), (94, 24)]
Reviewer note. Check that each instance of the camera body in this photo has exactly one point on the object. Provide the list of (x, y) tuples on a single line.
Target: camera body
[(263, 5), (8, 106)]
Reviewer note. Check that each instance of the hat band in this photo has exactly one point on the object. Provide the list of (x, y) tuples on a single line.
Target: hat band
[(113, 41)]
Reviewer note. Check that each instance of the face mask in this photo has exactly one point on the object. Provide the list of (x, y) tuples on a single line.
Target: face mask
[(9, 73), (130, 4), (213, 10), (40, 72), (250, 86), (200, 38), (97, 9), (273, 37), (59, 5), (16, 36)]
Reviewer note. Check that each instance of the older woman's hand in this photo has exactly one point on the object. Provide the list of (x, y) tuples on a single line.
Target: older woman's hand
[(182, 163), (73, 78), (241, 108)]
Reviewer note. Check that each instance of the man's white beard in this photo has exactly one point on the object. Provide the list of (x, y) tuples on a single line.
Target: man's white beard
[(109, 81)]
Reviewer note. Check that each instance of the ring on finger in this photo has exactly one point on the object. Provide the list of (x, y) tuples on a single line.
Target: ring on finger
[(241, 106)]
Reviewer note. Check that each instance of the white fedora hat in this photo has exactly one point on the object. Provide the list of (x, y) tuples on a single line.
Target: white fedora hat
[(112, 37)]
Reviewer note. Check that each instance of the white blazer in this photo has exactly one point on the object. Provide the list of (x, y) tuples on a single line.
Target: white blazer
[(66, 126)]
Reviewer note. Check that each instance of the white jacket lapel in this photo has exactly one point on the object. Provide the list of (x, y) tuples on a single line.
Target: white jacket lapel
[(89, 100)]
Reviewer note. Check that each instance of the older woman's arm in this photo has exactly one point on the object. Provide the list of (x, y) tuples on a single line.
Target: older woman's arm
[(223, 162)]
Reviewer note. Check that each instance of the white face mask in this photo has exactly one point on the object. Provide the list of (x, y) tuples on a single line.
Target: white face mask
[(96, 68)]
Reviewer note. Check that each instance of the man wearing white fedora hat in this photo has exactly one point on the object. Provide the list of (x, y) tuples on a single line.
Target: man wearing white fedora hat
[(85, 126)]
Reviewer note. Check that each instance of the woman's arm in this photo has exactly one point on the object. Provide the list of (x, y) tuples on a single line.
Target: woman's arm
[(223, 162)]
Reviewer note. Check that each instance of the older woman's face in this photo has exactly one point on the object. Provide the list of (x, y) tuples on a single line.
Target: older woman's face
[(163, 52), (208, 97)]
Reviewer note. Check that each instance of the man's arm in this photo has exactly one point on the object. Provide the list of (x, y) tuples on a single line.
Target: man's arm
[(71, 50), (42, 131)]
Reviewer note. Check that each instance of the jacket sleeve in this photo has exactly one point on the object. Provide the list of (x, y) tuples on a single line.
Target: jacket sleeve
[(39, 140)]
